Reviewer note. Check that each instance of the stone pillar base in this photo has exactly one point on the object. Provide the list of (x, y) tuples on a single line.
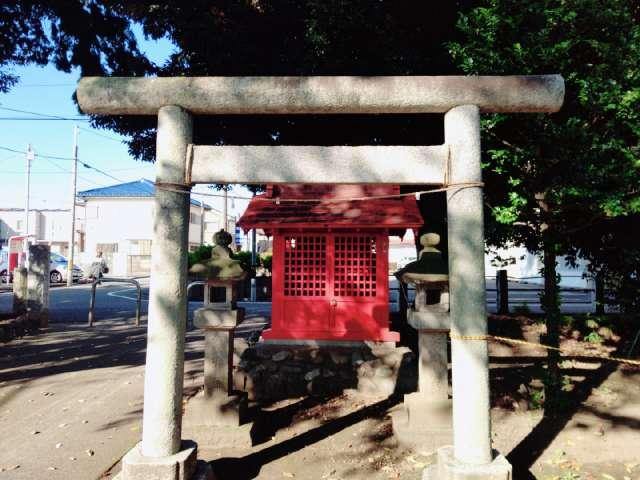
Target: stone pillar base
[(180, 466), (423, 424), (448, 468), (217, 421)]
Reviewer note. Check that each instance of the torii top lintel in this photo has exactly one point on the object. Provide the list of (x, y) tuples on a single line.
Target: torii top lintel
[(320, 94)]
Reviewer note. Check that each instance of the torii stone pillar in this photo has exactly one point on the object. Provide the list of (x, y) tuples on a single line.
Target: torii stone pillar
[(471, 456), (162, 454)]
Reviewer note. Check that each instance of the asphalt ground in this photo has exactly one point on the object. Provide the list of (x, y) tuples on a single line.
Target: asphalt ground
[(71, 396), (117, 301)]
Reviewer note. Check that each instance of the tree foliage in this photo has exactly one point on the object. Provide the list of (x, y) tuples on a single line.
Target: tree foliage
[(92, 35), (297, 37), (583, 160), (560, 183)]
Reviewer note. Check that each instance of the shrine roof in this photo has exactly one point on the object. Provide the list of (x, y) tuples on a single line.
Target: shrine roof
[(342, 206)]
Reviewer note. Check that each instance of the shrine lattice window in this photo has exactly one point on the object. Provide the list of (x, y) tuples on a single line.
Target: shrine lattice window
[(355, 266), (305, 262)]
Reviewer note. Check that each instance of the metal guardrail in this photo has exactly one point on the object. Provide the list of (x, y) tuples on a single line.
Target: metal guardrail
[(189, 287), (95, 283)]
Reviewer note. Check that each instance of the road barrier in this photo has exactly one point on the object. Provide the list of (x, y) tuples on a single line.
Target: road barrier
[(92, 302)]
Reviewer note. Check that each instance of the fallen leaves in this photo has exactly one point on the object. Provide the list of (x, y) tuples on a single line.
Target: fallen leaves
[(8, 469)]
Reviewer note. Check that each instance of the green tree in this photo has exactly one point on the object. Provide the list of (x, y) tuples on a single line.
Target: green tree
[(552, 179), (297, 37), (92, 35)]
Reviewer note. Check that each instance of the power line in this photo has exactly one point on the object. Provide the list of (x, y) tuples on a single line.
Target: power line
[(46, 115), (69, 172), (86, 165), (52, 157), (36, 119), (108, 137), (17, 172), (30, 85)]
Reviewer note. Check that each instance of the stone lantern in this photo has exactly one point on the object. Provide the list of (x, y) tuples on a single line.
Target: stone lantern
[(426, 414), (219, 405)]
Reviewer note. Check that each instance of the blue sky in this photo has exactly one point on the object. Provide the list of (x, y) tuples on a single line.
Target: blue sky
[(48, 91)]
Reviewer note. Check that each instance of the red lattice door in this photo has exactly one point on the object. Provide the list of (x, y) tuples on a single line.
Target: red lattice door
[(301, 307), (330, 286), (360, 287)]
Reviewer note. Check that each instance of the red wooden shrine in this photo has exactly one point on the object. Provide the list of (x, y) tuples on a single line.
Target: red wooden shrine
[(330, 258)]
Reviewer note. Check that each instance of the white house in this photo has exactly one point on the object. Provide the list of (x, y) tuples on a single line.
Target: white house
[(118, 221), (51, 226)]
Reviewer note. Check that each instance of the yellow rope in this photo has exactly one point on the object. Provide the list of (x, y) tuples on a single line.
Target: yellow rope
[(601, 356)]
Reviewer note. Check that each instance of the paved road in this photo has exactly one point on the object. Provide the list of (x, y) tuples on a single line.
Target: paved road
[(71, 397), (114, 303), (117, 301)]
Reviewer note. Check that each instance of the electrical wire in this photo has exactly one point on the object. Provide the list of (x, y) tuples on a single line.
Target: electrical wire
[(30, 85), (108, 137), (41, 155), (28, 119), (53, 157), (86, 165), (18, 172), (38, 114), (63, 170)]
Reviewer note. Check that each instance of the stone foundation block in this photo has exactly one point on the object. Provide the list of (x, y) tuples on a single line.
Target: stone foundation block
[(217, 421), (219, 410), (448, 468), (180, 466), (422, 424)]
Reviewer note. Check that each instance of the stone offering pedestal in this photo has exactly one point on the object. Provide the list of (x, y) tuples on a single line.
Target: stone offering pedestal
[(218, 412), (38, 284), (216, 415), (423, 421)]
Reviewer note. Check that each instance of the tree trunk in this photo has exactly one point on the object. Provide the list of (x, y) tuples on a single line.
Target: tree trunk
[(551, 306), (550, 301)]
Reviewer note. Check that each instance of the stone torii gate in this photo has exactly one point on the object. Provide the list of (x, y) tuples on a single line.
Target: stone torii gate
[(162, 454)]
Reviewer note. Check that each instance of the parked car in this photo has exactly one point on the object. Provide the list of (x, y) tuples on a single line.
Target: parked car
[(57, 268)]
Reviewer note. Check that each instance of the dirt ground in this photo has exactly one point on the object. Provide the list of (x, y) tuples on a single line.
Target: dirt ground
[(351, 437), (596, 436)]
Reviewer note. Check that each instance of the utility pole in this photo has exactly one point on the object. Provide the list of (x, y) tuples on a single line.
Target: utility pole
[(29, 158), (201, 223), (224, 211), (72, 234)]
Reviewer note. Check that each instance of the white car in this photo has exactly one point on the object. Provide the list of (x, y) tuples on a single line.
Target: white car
[(58, 269)]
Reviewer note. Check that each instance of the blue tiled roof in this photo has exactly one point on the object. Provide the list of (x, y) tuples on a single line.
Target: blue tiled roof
[(142, 188)]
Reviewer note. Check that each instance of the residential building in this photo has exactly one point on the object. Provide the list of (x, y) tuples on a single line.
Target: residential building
[(51, 226), (119, 223)]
